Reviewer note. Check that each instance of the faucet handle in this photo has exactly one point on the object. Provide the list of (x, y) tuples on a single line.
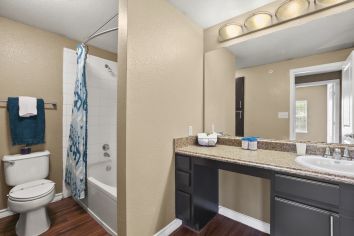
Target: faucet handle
[(105, 147), (346, 154), (327, 152)]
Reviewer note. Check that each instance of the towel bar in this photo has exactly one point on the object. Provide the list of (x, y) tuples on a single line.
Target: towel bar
[(53, 104)]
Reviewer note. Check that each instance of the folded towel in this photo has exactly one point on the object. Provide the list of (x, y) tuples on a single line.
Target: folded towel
[(28, 106), (26, 130)]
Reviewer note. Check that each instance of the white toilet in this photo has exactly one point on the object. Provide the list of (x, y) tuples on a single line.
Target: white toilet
[(32, 192)]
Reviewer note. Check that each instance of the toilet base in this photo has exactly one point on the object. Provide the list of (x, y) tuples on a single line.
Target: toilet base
[(33, 223)]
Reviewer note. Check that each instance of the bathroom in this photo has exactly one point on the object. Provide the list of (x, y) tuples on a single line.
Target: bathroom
[(160, 73)]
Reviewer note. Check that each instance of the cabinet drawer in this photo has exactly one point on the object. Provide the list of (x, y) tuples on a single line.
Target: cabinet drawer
[(295, 219), (317, 193), (183, 163), (183, 180), (183, 206)]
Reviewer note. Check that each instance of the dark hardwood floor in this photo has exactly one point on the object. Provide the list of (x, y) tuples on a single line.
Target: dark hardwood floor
[(220, 226), (67, 218)]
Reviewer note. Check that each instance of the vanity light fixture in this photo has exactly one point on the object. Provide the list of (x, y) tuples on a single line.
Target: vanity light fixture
[(258, 21), (287, 10), (327, 2), (230, 31), (292, 8)]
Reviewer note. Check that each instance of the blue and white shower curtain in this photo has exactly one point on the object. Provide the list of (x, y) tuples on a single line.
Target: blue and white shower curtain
[(76, 161)]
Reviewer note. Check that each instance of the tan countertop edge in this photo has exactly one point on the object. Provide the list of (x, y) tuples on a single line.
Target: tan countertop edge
[(288, 165)]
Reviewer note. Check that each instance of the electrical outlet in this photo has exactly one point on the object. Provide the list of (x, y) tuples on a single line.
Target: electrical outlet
[(283, 115)]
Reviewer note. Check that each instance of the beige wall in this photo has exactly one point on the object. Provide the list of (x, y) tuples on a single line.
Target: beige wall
[(31, 63), (219, 86), (122, 118), (316, 97), (245, 194), (163, 83)]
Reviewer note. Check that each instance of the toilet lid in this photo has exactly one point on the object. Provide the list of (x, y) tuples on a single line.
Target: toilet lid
[(31, 190)]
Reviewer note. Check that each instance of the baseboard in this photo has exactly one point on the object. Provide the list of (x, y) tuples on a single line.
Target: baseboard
[(236, 216), (171, 227), (58, 197), (244, 219), (7, 212), (97, 219)]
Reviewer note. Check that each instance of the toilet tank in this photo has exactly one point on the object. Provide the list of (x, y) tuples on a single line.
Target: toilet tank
[(19, 169)]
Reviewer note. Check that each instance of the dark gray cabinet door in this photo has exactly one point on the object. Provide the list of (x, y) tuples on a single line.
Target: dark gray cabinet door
[(183, 206), (295, 219)]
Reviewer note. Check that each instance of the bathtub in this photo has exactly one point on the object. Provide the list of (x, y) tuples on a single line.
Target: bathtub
[(101, 201)]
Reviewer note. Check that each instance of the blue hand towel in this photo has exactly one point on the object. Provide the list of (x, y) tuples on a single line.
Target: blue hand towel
[(26, 130)]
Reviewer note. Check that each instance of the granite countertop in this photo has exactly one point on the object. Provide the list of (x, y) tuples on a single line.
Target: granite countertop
[(266, 159)]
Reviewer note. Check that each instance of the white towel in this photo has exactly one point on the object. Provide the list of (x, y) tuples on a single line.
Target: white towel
[(27, 106)]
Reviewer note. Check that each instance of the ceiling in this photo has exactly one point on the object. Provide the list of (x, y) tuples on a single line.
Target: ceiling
[(207, 13), (323, 35), (75, 19)]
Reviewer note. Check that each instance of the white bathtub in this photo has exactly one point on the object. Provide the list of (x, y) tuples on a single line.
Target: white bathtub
[(101, 202)]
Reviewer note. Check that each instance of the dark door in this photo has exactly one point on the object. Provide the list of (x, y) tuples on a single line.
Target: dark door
[(295, 219), (240, 106)]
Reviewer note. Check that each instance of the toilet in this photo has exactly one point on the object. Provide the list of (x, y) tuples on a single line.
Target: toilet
[(31, 192)]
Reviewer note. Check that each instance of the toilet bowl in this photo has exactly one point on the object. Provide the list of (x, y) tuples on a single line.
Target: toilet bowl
[(30, 200), (31, 192)]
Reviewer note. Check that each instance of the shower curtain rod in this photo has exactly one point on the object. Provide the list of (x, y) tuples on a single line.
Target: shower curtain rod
[(100, 33), (95, 34)]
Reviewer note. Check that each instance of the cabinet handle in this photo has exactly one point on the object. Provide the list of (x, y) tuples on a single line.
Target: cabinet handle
[(239, 112), (331, 218)]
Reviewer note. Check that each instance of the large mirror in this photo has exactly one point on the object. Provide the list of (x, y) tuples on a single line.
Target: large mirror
[(292, 81)]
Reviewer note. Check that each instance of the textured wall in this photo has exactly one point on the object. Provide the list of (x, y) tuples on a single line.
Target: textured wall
[(219, 88), (31, 63), (164, 95), (245, 194)]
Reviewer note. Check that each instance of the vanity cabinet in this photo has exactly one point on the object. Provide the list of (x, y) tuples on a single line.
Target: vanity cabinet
[(300, 206), (196, 192), (183, 189)]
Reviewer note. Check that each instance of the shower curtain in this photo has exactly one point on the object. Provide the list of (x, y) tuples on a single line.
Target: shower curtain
[(76, 161)]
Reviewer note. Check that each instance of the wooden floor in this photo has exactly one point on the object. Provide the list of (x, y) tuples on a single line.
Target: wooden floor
[(67, 218), (220, 226)]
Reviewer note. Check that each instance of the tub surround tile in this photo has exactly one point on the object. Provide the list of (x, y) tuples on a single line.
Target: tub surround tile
[(273, 155)]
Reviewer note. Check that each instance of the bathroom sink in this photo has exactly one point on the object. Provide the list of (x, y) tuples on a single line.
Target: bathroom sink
[(340, 167)]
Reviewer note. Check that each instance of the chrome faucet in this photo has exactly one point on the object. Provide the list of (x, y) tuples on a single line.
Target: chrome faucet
[(346, 154), (337, 154), (327, 153)]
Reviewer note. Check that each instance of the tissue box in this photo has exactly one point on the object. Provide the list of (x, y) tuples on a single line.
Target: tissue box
[(207, 140)]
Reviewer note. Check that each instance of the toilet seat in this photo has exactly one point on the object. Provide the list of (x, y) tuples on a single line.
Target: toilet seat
[(31, 191)]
